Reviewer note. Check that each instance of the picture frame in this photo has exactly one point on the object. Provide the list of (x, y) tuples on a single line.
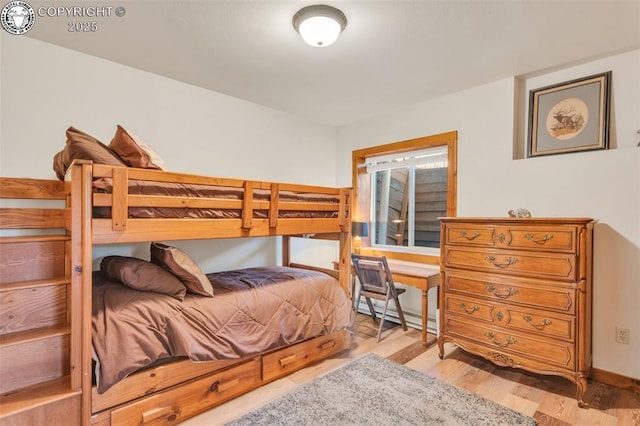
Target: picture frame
[(572, 116)]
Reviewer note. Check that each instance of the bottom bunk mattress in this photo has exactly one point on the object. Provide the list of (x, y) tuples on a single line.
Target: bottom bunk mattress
[(253, 310)]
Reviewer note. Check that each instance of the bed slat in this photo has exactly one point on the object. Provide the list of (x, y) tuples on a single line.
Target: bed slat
[(39, 189), (100, 170), (194, 229), (31, 218)]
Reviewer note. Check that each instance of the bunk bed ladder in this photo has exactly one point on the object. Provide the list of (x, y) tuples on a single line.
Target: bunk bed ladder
[(39, 384)]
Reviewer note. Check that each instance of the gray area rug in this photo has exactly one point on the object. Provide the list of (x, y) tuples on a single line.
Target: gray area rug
[(375, 391)]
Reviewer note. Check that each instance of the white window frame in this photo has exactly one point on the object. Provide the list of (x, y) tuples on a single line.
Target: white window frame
[(429, 158)]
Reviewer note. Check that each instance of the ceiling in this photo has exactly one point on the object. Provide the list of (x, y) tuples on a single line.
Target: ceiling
[(392, 53)]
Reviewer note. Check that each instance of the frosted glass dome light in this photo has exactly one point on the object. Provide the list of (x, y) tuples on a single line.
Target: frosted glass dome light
[(319, 25)]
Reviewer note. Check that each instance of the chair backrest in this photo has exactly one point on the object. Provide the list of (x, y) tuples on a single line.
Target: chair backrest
[(373, 273)]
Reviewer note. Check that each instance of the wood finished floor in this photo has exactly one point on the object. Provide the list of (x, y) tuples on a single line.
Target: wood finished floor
[(548, 399)]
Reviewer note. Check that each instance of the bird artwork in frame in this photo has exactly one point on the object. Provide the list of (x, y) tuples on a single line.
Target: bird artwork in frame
[(570, 117)]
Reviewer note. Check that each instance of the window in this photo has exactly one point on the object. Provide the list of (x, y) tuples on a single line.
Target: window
[(409, 194), (403, 188)]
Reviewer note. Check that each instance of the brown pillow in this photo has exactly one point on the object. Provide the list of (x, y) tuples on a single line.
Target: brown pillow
[(142, 275), (83, 147), (134, 151), (182, 266)]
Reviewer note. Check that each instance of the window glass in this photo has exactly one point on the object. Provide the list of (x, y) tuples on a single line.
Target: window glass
[(409, 194)]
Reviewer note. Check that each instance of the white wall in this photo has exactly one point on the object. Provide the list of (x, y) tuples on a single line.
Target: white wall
[(604, 185), (45, 89)]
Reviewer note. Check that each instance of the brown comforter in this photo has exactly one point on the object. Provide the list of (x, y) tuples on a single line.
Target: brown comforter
[(253, 310)]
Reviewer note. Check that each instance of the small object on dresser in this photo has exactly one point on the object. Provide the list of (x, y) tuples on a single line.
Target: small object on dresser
[(521, 212)]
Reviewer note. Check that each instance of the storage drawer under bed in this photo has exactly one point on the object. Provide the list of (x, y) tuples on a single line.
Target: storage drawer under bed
[(282, 362), (176, 404)]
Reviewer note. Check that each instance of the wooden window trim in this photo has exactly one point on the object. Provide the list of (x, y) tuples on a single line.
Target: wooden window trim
[(362, 185)]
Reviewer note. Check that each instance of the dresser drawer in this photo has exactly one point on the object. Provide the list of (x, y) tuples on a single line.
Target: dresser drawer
[(556, 352), (535, 237), (538, 265), (532, 293), (470, 235), (476, 309), (284, 361), (176, 404), (535, 321), (540, 238)]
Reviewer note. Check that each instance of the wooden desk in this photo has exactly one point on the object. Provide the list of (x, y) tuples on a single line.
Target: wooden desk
[(419, 275)]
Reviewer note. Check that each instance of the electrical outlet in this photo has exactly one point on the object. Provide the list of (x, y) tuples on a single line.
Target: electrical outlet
[(623, 335)]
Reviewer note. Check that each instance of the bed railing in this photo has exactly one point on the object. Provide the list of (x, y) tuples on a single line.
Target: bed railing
[(259, 211)]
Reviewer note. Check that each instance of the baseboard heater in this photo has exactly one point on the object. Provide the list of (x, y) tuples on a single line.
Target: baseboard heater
[(412, 319)]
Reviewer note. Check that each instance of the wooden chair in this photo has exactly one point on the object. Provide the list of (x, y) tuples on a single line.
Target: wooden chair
[(376, 282)]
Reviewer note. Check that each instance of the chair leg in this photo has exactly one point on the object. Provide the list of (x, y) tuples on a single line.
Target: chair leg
[(355, 308), (384, 315), (400, 314), (373, 311)]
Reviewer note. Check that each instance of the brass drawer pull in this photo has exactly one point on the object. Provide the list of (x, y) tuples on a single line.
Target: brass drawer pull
[(510, 340), (470, 237), (542, 240), (510, 292), (510, 261), (470, 310), (540, 326)]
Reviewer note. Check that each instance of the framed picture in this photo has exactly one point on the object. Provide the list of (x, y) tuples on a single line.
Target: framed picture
[(570, 117)]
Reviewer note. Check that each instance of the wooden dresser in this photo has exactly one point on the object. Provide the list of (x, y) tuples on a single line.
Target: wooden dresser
[(518, 292)]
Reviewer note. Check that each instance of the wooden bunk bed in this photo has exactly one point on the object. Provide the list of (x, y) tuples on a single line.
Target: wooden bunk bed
[(99, 208)]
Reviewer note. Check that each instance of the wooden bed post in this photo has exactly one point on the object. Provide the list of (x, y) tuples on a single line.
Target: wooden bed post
[(286, 250), (345, 240), (247, 205), (345, 263), (273, 205), (79, 204), (119, 209)]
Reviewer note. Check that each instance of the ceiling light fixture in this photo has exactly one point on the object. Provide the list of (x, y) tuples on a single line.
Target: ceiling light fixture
[(319, 25)]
